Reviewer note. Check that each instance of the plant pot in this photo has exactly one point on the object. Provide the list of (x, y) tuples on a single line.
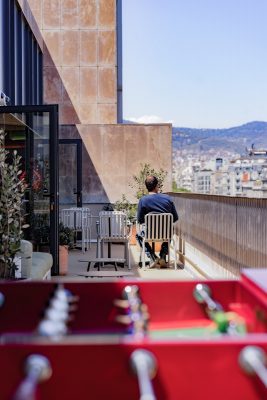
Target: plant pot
[(63, 260), (133, 237), (157, 246)]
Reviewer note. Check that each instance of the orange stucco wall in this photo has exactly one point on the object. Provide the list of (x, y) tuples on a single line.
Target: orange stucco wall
[(79, 59)]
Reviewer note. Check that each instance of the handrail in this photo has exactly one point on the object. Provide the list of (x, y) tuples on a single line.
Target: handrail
[(230, 230)]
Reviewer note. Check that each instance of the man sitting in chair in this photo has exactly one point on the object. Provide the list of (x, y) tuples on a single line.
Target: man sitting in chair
[(158, 203)]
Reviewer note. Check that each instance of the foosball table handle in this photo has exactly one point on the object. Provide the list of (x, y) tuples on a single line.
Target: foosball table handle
[(37, 369), (144, 365), (202, 294), (253, 360)]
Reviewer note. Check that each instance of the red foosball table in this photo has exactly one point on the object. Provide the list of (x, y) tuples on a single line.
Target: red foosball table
[(134, 339)]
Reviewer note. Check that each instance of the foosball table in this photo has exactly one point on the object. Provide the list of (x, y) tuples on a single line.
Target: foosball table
[(134, 339)]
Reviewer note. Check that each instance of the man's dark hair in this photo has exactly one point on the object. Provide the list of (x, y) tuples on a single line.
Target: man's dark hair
[(151, 182)]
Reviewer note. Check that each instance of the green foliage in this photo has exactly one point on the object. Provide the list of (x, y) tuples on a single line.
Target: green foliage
[(139, 180), (66, 236), (140, 189), (41, 229), (177, 189), (12, 190), (129, 208)]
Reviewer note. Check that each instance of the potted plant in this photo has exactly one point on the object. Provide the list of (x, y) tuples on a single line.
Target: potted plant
[(66, 242), (130, 210), (12, 189), (139, 179)]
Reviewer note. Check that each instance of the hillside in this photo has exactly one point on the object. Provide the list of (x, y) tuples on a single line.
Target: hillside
[(234, 139)]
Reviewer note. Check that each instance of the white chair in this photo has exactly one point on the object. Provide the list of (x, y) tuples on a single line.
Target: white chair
[(114, 228), (80, 220), (158, 228), (87, 226)]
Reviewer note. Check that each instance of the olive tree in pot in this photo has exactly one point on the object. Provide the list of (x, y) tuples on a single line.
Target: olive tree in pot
[(138, 183), (12, 190), (66, 242)]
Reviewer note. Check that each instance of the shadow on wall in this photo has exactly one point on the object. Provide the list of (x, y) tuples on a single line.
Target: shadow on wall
[(54, 90), (93, 190)]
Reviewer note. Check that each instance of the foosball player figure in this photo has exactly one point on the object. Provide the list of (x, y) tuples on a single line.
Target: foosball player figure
[(226, 322), (136, 314), (58, 314)]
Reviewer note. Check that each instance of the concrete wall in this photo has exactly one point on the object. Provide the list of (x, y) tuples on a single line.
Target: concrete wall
[(113, 153), (80, 74)]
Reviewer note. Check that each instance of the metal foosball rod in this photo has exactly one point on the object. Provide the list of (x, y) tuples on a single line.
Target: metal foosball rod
[(202, 294), (144, 365), (253, 360), (37, 369), (224, 321)]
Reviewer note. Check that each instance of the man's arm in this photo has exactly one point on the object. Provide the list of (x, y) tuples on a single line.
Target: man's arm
[(174, 213), (140, 213)]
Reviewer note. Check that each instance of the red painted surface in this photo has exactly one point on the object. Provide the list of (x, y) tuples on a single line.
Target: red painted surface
[(97, 367), (186, 371)]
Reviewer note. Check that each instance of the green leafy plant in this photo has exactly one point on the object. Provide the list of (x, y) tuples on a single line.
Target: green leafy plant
[(66, 236), (177, 189), (12, 190), (140, 189), (139, 179), (41, 230), (129, 208)]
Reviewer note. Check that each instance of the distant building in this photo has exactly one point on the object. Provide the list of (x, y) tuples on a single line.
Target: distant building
[(201, 181), (244, 176)]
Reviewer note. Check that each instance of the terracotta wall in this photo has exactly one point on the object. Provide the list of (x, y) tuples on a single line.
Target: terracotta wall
[(113, 154), (80, 71), (31, 19)]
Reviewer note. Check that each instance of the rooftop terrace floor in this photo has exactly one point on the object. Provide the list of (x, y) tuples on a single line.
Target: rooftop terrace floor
[(78, 269)]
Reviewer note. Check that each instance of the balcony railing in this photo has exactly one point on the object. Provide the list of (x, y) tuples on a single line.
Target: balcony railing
[(232, 231)]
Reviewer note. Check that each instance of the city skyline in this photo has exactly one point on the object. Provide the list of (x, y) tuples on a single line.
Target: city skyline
[(198, 64)]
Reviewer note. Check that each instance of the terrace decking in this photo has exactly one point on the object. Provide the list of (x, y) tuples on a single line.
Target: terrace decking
[(218, 237), (78, 270)]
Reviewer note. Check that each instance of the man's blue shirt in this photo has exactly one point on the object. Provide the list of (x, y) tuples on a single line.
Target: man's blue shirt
[(156, 202)]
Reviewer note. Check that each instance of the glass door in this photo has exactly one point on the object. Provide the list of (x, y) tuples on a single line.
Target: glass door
[(33, 132), (70, 173)]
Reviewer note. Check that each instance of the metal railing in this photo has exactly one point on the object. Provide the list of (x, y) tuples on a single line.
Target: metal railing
[(230, 230)]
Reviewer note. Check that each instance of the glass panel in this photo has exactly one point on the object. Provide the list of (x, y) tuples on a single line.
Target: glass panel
[(40, 167), (68, 174), (33, 146)]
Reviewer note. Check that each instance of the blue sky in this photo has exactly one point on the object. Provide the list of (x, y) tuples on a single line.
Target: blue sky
[(196, 63)]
